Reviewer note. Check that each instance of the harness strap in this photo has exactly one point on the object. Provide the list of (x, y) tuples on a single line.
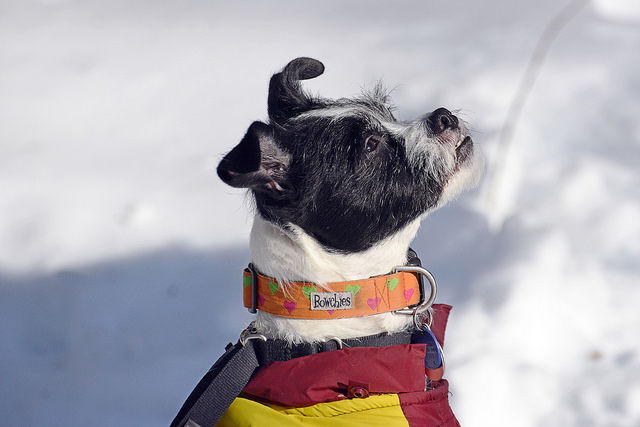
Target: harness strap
[(277, 350), (231, 373), (218, 388)]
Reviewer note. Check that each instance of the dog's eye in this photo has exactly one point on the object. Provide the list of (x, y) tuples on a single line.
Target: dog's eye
[(371, 143)]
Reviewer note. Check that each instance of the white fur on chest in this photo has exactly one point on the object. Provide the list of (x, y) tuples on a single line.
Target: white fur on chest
[(295, 256)]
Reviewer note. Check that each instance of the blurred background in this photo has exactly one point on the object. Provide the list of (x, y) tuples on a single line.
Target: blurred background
[(121, 252)]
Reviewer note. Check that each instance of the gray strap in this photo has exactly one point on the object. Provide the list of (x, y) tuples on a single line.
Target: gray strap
[(218, 388)]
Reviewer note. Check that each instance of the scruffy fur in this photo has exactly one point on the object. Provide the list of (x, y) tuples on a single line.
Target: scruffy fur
[(340, 187)]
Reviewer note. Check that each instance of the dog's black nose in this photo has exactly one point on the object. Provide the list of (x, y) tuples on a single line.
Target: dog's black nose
[(441, 120)]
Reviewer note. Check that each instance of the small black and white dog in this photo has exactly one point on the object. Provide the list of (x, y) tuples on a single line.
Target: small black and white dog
[(340, 187)]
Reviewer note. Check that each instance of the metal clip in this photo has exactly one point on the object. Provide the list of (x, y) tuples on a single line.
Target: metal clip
[(425, 303), (250, 333), (338, 341)]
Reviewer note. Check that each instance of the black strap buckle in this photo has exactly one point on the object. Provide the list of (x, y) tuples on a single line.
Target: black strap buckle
[(254, 289)]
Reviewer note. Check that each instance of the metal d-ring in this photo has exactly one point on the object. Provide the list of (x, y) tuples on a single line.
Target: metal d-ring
[(429, 321), (250, 333), (425, 303), (338, 342)]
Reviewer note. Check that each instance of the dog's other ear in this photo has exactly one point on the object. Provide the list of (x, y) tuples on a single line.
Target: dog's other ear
[(286, 97), (257, 162)]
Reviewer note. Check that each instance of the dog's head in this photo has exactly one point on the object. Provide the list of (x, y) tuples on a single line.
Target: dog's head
[(346, 171)]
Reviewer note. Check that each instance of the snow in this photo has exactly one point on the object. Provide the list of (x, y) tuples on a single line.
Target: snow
[(121, 252)]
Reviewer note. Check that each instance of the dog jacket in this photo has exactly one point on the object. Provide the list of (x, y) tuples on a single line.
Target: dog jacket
[(369, 386)]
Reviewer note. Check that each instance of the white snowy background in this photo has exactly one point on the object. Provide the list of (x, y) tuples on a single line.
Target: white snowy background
[(121, 251)]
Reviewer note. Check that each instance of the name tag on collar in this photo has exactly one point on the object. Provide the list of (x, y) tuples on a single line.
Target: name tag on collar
[(331, 300)]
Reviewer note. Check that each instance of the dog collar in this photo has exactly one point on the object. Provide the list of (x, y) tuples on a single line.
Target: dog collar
[(401, 291)]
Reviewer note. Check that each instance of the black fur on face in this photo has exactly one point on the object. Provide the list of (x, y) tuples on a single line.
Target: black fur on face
[(344, 171)]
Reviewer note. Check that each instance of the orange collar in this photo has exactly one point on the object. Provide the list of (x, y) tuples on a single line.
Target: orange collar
[(304, 300)]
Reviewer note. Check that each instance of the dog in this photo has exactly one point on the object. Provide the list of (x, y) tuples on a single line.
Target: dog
[(340, 187)]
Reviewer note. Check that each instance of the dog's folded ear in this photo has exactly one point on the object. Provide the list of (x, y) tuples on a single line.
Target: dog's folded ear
[(258, 163), (286, 97)]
